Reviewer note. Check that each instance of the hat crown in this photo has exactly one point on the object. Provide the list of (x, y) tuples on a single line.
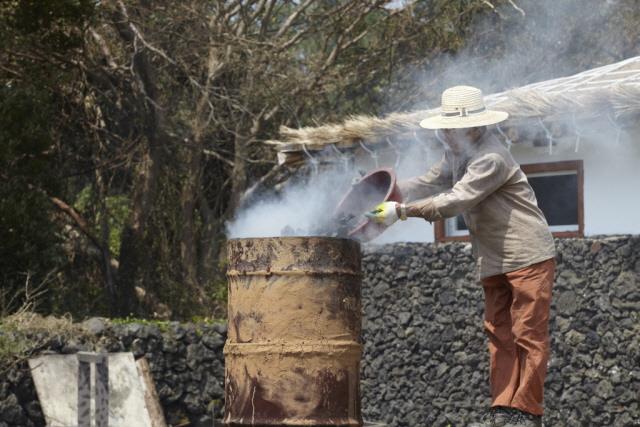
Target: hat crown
[(463, 107), (462, 99)]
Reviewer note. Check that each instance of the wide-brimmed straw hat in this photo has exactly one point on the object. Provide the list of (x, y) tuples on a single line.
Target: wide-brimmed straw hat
[(463, 107)]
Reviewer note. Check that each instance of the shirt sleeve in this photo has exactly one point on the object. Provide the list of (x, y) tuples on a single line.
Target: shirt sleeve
[(436, 180), (483, 176)]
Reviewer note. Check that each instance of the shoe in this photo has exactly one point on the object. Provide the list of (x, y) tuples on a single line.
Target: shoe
[(497, 416), (524, 419)]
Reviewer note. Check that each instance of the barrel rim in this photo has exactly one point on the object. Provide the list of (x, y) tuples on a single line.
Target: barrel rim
[(345, 239)]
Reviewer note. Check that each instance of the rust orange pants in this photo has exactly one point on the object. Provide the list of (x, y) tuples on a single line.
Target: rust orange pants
[(517, 322)]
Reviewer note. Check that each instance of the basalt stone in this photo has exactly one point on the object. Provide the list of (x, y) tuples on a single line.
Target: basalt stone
[(566, 303), (110, 344), (15, 376), (177, 330), (626, 285), (157, 364), (95, 325), (404, 318), (34, 411), (153, 332), (604, 389), (197, 353), (170, 345), (194, 403), (55, 343), (135, 330), (11, 411), (624, 419), (154, 344), (627, 396), (25, 389), (167, 394), (138, 347), (213, 388), (574, 337), (213, 341), (194, 376), (624, 251)]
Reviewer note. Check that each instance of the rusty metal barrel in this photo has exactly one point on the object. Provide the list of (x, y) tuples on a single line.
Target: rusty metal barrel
[(292, 356)]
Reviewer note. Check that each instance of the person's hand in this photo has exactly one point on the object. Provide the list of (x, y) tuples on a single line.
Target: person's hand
[(385, 213)]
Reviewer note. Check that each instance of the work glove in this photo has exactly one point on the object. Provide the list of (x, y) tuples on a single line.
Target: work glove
[(385, 213)]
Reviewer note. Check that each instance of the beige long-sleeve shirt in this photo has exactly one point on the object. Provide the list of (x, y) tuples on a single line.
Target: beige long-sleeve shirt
[(508, 229)]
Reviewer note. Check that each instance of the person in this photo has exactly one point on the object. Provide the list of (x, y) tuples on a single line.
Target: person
[(511, 241)]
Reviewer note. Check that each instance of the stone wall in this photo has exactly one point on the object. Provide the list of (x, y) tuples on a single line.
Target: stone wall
[(425, 360)]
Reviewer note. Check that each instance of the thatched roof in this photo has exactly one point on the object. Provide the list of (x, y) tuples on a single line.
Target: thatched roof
[(614, 89)]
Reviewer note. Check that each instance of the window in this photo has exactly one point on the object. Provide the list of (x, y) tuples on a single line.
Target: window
[(559, 191)]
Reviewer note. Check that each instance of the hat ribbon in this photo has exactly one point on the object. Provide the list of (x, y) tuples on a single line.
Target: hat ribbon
[(463, 112)]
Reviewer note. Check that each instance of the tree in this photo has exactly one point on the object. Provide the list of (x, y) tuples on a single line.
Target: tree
[(33, 120), (154, 115)]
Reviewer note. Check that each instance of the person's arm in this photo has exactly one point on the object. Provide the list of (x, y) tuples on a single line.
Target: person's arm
[(484, 176), (436, 180)]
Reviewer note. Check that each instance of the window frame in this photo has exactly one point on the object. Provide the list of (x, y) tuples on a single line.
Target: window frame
[(439, 227)]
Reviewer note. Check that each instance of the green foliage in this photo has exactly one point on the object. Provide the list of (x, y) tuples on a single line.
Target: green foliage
[(25, 331), (76, 291), (57, 23), (152, 135), (12, 346), (165, 325), (29, 239), (25, 131), (118, 208), (162, 325), (124, 142), (219, 290), (118, 211)]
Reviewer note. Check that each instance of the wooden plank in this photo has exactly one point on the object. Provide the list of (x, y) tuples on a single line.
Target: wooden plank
[(150, 394)]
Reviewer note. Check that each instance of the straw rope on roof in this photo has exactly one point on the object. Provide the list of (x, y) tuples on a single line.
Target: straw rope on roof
[(614, 88)]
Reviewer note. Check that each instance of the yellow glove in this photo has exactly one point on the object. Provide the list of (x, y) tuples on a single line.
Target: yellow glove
[(385, 213)]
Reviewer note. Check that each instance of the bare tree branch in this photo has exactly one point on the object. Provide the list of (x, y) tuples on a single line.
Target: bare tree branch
[(291, 19)]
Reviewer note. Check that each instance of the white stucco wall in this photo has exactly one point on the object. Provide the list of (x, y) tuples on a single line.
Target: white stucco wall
[(411, 230), (611, 181)]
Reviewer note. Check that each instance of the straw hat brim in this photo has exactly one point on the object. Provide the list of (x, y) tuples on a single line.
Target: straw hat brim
[(486, 118)]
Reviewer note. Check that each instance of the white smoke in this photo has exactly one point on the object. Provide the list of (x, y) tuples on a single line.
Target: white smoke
[(506, 49), (300, 210), (550, 40)]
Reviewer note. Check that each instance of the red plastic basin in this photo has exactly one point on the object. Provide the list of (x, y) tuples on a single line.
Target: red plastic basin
[(374, 188)]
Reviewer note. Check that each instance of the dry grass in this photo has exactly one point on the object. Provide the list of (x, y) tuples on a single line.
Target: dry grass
[(618, 100), (31, 322), (23, 300), (23, 331)]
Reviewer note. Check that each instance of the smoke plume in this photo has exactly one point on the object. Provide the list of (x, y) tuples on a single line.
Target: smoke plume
[(551, 39)]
